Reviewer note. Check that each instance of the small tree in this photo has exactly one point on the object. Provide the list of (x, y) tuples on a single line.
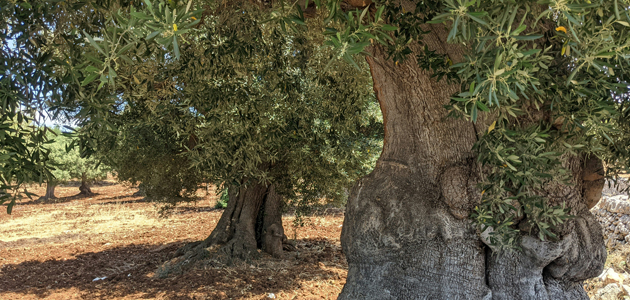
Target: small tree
[(68, 164)]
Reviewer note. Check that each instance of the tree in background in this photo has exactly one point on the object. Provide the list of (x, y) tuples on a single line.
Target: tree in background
[(146, 150), (68, 164), (263, 122)]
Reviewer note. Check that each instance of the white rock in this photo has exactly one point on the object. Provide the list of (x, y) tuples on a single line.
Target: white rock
[(610, 276), (610, 292)]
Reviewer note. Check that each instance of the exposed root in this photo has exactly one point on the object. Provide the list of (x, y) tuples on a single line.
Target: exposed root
[(198, 253)]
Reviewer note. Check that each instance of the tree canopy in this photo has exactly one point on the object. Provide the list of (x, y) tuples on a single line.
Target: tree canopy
[(264, 112), (546, 77)]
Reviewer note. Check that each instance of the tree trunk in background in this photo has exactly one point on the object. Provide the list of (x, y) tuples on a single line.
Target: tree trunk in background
[(85, 188), (406, 232), (251, 221), (50, 191), (251, 216)]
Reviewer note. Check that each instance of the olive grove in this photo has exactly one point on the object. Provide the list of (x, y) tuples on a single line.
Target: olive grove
[(498, 116)]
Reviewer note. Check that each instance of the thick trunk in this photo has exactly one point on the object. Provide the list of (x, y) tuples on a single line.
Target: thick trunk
[(85, 187), (236, 231), (269, 230), (251, 221), (406, 233), (50, 191)]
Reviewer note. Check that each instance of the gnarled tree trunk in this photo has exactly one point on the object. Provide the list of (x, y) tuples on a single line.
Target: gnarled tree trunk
[(251, 221), (85, 187), (406, 232), (50, 191)]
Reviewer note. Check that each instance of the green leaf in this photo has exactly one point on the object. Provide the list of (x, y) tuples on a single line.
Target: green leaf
[(92, 69), (519, 30), (477, 19), (388, 27), (482, 106), (528, 37), (141, 15), (89, 79), (152, 34), (617, 15), (176, 47), (93, 43)]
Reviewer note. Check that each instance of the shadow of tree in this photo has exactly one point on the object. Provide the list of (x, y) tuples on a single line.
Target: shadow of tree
[(58, 200), (121, 200), (129, 274)]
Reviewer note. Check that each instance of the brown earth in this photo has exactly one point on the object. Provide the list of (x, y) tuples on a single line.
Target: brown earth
[(57, 250)]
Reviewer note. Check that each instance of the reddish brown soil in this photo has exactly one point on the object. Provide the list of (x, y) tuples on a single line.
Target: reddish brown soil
[(56, 250)]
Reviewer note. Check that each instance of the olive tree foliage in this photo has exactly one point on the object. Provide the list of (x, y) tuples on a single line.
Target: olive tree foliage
[(167, 93), (271, 111), (543, 77), (27, 83), (151, 152)]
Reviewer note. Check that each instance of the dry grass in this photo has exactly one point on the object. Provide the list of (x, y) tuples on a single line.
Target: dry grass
[(83, 219)]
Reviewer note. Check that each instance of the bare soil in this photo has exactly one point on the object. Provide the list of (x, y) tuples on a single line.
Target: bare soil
[(64, 249)]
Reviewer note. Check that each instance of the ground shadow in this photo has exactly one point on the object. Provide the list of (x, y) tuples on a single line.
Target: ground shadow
[(58, 200), (183, 210), (121, 200), (129, 273)]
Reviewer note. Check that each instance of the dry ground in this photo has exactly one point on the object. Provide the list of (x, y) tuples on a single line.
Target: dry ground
[(57, 250)]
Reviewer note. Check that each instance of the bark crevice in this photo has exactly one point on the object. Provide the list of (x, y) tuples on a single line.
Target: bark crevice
[(407, 232), (251, 221)]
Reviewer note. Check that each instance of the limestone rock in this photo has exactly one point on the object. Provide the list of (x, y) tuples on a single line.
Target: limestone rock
[(612, 291), (610, 276)]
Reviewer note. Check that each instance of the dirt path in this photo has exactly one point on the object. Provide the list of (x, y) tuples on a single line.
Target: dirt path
[(57, 250)]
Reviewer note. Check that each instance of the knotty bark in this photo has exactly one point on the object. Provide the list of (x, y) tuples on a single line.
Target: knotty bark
[(251, 221), (406, 233)]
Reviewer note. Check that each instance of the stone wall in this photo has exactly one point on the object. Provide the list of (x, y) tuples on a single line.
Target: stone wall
[(613, 213)]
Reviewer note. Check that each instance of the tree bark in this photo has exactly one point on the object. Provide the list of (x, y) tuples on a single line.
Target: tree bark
[(50, 191), (406, 233), (85, 187), (251, 221)]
